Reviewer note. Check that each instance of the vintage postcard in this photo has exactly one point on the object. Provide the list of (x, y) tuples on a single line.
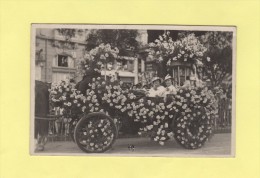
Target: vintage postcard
[(133, 90)]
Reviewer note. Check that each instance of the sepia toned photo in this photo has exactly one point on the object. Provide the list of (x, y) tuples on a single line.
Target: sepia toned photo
[(133, 90)]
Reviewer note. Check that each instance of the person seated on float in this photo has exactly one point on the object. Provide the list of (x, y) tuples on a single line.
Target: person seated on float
[(170, 89), (146, 87), (157, 89), (139, 86)]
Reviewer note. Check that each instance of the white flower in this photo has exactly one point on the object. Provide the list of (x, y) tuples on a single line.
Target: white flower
[(83, 108), (161, 143), (184, 106), (170, 134), (168, 63), (163, 138), (149, 127)]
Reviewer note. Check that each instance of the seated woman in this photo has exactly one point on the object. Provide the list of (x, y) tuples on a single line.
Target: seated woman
[(170, 89), (157, 90)]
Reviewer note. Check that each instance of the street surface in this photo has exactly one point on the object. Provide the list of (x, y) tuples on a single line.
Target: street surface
[(218, 146)]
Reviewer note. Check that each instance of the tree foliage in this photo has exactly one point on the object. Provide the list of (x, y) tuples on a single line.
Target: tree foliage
[(124, 40), (218, 58)]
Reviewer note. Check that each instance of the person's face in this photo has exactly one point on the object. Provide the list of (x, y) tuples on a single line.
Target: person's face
[(156, 83), (168, 82)]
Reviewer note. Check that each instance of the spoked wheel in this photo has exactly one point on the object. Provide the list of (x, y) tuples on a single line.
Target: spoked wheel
[(95, 133), (193, 130)]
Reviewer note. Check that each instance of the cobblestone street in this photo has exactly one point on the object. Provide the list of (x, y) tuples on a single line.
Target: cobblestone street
[(219, 145)]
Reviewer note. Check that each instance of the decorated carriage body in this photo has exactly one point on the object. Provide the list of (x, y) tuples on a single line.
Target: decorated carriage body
[(96, 116)]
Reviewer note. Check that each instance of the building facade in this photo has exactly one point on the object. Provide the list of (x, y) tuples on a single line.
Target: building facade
[(56, 57)]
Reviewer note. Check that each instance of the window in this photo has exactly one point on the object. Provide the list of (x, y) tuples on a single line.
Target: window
[(62, 61)]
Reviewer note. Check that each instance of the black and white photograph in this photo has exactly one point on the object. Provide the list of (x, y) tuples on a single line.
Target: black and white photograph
[(133, 90)]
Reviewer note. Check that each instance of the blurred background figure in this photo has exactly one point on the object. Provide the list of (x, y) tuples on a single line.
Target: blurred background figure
[(187, 83)]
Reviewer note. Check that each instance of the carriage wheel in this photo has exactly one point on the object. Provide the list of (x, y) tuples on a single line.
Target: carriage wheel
[(95, 133), (193, 130)]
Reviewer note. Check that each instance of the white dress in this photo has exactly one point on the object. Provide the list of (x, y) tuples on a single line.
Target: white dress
[(158, 92), (170, 90)]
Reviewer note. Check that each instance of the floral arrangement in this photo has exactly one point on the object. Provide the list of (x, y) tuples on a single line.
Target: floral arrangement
[(197, 107), (187, 49), (186, 116), (95, 59), (162, 49), (63, 95)]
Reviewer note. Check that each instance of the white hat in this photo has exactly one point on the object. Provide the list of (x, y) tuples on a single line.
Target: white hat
[(156, 78), (168, 77)]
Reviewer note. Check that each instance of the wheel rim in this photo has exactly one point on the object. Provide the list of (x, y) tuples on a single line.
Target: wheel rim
[(95, 135), (193, 132)]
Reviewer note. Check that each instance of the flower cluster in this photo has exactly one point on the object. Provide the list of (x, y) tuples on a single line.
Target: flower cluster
[(96, 134), (162, 49), (67, 98), (188, 48), (95, 59), (196, 108)]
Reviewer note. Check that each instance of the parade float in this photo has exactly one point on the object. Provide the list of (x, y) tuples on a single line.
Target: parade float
[(96, 109)]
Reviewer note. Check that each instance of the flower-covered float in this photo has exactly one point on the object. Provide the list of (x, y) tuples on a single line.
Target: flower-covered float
[(95, 115)]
